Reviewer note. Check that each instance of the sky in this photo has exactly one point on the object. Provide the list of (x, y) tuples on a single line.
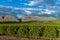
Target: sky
[(19, 8)]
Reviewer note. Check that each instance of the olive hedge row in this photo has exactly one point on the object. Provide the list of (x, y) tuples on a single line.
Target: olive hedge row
[(48, 31)]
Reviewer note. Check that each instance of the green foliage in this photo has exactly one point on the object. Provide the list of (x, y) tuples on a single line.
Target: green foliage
[(3, 30), (49, 32), (36, 31), (58, 30), (23, 31), (11, 30), (33, 29)]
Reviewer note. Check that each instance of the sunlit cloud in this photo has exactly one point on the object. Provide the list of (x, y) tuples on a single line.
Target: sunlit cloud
[(27, 12), (34, 3), (48, 11)]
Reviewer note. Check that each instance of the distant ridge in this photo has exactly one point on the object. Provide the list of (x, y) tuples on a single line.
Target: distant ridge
[(8, 18), (1, 19), (37, 19)]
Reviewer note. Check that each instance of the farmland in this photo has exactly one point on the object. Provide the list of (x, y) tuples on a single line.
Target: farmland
[(32, 29)]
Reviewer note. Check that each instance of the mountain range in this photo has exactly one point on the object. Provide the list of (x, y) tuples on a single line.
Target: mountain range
[(9, 18)]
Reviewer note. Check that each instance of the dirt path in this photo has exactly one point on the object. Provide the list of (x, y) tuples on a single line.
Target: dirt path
[(19, 38)]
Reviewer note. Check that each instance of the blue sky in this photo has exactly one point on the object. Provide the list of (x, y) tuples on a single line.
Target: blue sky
[(20, 3), (31, 7)]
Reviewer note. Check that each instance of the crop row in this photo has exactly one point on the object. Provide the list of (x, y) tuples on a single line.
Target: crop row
[(31, 30)]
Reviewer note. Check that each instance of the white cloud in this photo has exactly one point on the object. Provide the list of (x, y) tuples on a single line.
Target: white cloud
[(30, 9), (27, 12), (53, 6), (41, 7), (33, 3), (15, 8), (48, 11)]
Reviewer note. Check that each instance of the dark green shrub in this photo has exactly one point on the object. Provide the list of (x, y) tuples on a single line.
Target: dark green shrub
[(23, 31), (3, 30), (41, 30), (49, 32), (57, 28), (12, 30), (34, 31)]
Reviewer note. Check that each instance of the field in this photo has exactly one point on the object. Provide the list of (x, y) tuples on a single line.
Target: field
[(31, 29)]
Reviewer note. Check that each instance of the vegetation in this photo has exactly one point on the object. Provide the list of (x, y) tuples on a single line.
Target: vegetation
[(31, 29)]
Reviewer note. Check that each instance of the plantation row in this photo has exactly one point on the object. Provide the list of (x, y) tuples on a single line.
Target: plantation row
[(48, 30)]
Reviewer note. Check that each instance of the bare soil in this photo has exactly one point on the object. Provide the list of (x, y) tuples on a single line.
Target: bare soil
[(25, 38)]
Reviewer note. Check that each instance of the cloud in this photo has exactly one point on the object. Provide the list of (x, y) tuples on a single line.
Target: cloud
[(30, 9), (6, 6), (34, 2), (48, 11), (42, 6), (37, 2), (50, 2), (28, 12), (31, 3)]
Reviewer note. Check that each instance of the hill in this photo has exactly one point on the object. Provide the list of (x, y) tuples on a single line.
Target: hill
[(37, 19)]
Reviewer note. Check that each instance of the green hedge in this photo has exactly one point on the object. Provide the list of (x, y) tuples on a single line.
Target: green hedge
[(12, 30), (3, 30), (23, 31), (31, 30), (36, 31), (50, 32)]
